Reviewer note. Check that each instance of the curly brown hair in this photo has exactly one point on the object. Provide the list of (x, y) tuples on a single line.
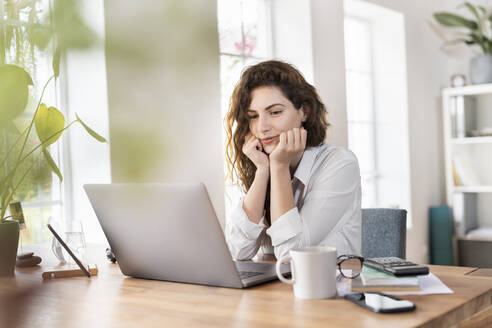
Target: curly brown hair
[(295, 88)]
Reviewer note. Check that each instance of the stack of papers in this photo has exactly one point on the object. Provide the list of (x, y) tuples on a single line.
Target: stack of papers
[(372, 280), (429, 284)]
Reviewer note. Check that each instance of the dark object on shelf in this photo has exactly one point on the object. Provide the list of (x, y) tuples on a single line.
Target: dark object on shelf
[(441, 235), (110, 255), (481, 69), (475, 253), (484, 132), (458, 80)]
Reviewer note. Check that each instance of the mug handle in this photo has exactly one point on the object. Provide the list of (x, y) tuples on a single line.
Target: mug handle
[(286, 259)]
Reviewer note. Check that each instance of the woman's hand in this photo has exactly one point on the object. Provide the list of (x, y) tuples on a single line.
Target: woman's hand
[(253, 149), (291, 144)]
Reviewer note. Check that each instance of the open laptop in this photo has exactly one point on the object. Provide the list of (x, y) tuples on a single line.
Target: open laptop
[(170, 232)]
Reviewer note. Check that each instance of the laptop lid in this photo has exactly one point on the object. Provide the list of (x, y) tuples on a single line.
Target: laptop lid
[(165, 232)]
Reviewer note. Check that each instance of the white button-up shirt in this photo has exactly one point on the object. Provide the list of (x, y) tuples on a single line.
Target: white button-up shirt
[(327, 194)]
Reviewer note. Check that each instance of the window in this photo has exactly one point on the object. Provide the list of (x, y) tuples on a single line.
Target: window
[(41, 193), (377, 106), (360, 104), (244, 39)]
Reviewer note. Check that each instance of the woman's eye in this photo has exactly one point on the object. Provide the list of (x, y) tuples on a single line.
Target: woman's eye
[(276, 112), (253, 117)]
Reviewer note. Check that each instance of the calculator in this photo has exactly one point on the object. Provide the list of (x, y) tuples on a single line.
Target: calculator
[(396, 266)]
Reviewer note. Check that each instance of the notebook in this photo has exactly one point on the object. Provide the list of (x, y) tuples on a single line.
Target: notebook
[(371, 280)]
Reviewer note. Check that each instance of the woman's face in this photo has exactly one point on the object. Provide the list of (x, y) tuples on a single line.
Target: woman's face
[(270, 114)]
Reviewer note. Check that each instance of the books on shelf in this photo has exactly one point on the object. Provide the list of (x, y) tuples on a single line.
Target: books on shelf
[(484, 233), (463, 172), (456, 177), (463, 116), (371, 280)]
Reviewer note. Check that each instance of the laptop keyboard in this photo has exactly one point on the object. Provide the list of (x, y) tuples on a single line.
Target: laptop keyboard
[(248, 274)]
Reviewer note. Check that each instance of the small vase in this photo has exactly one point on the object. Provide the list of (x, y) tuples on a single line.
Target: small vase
[(9, 241), (481, 69)]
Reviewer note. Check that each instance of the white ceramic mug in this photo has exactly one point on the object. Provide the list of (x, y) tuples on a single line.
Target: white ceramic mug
[(313, 271)]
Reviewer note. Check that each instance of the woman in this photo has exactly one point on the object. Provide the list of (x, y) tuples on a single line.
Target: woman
[(299, 191)]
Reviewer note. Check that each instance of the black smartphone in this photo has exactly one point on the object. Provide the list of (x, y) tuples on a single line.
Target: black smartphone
[(381, 303)]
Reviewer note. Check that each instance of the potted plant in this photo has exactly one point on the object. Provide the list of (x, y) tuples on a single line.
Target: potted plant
[(49, 125), (475, 31), (18, 157)]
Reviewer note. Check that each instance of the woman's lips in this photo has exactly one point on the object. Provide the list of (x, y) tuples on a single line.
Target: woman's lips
[(267, 141)]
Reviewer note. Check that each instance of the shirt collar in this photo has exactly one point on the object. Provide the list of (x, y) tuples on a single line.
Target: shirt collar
[(303, 171)]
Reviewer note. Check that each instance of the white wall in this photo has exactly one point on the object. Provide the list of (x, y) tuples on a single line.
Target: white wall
[(164, 93), (329, 65), (292, 39)]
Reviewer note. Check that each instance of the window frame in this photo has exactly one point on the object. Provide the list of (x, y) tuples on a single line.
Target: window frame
[(373, 176)]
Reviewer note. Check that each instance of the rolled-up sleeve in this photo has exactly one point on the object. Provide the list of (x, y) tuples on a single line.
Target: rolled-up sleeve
[(288, 231), (329, 215), (242, 235)]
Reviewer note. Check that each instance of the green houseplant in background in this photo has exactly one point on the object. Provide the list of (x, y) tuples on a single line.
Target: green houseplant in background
[(474, 32), (26, 149)]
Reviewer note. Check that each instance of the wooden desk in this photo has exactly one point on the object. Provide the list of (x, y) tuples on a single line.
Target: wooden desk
[(113, 300)]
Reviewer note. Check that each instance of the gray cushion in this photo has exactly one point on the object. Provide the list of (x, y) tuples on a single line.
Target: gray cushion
[(383, 232)]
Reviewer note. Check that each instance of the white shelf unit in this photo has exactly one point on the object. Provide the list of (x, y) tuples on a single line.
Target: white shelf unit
[(471, 140), (468, 158), (473, 189)]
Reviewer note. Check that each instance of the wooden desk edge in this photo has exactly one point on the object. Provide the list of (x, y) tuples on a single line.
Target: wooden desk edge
[(481, 272), (475, 313)]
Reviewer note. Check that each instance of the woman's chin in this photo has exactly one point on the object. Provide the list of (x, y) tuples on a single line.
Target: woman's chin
[(269, 149)]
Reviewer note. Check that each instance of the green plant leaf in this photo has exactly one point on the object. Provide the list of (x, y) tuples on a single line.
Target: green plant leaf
[(90, 131), (56, 61), (48, 121), (448, 19), (52, 164), (14, 91), (3, 190), (473, 39), (472, 9)]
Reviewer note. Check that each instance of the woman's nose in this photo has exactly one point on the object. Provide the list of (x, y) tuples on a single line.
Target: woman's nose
[(264, 123)]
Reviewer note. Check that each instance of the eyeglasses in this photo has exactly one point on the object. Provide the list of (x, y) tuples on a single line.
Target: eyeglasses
[(350, 266)]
